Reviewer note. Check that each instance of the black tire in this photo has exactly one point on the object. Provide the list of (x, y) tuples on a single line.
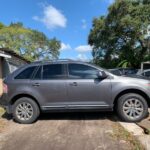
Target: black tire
[(121, 103), (32, 104)]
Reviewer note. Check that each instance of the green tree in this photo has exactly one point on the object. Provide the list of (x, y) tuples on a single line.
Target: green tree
[(31, 44), (122, 32), (1, 25)]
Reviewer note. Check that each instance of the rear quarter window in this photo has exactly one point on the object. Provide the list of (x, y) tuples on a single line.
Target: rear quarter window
[(26, 74)]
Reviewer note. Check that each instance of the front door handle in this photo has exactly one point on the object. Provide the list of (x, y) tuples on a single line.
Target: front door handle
[(36, 84), (73, 84)]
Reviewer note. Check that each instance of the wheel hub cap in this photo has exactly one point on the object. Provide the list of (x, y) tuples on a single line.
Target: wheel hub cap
[(24, 111), (133, 108)]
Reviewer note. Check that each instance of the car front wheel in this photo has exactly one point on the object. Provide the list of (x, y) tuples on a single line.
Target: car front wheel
[(132, 107), (25, 110)]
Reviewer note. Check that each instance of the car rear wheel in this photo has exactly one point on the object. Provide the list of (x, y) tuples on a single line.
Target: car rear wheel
[(25, 110), (132, 107)]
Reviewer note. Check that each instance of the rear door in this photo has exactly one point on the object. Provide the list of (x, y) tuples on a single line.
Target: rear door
[(50, 85), (85, 89)]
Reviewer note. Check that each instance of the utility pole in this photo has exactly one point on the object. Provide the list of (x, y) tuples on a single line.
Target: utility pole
[(148, 38)]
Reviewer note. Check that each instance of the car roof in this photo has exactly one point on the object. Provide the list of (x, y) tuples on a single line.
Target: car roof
[(56, 61), (63, 61)]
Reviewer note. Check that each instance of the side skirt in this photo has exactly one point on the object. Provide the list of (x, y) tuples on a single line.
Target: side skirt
[(77, 108)]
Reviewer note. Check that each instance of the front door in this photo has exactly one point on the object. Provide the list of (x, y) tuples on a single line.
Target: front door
[(85, 89)]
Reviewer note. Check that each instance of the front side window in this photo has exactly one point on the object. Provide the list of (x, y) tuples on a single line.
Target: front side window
[(80, 71), (26, 74), (53, 71)]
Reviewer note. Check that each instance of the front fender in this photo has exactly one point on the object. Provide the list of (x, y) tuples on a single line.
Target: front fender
[(123, 84)]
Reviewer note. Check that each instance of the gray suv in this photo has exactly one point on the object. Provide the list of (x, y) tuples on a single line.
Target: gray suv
[(68, 85)]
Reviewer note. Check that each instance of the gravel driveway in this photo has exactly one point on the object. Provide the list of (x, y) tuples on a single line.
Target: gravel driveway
[(75, 131)]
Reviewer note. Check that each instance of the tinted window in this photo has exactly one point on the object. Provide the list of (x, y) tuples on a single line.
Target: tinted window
[(80, 71), (52, 71), (147, 74), (116, 72), (26, 74), (38, 74)]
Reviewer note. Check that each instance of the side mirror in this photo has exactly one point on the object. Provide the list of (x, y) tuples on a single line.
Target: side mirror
[(102, 75)]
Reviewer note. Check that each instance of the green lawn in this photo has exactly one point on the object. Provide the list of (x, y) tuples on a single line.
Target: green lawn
[(2, 111)]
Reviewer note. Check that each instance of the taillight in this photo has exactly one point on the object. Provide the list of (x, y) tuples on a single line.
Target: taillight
[(5, 88)]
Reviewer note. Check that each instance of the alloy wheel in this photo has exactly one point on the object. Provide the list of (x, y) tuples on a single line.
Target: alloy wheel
[(133, 108), (24, 111)]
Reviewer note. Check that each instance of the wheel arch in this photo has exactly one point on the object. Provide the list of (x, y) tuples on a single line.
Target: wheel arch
[(16, 97), (136, 91)]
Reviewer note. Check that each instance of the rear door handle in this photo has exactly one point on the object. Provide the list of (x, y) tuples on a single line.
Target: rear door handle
[(36, 84), (73, 84)]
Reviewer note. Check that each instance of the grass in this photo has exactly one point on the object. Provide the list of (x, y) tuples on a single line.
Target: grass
[(2, 122), (2, 111), (121, 134)]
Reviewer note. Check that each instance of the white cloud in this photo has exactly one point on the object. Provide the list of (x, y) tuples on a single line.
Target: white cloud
[(65, 47), (83, 48), (84, 24), (82, 57), (52, 17)]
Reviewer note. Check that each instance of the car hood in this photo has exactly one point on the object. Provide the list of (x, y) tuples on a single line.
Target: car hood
[(136, 80), (137, 76)]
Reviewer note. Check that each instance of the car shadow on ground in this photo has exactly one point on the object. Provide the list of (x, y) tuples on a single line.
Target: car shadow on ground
[(79, 116), (73, 116), (6, 116)]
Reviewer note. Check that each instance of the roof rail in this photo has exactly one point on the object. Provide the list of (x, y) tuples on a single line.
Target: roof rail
[(62, 60), (54, 60)]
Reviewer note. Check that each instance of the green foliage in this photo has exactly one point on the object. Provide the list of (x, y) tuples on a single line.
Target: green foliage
[(31, 44), (1, 25), (18, 24), (110, 64), (122, 32), (124, 64)]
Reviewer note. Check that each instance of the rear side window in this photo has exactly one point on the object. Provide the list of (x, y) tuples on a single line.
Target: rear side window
[(26, 74), (53, 71)]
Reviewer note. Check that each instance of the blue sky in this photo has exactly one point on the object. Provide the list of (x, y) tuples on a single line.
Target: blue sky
[(68, 20)]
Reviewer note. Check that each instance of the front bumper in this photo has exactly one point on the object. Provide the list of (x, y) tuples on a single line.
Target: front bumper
[(5, 104)]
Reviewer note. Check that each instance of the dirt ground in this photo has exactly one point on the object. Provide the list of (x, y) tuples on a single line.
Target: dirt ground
[(65, 131)]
